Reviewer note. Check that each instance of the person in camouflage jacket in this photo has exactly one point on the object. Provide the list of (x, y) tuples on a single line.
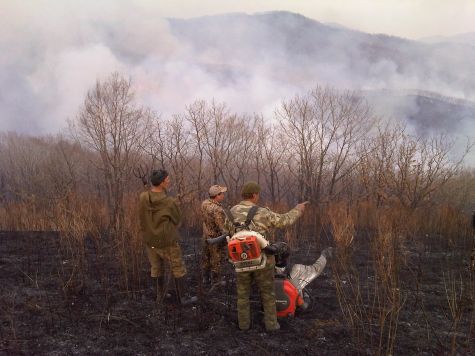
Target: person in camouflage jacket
[(263, 221), (213, 256)]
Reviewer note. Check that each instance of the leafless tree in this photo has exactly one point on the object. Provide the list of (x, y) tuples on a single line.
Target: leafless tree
[(238, 161), (422, 165), (378, 155), (196, 117), (172, 147), (39, 169), (223, 143), (408, 168), (272, 147), (110, 124), (323, 129)]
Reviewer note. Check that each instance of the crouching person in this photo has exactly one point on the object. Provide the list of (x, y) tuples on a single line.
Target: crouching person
[(290, 280), (159, 217)]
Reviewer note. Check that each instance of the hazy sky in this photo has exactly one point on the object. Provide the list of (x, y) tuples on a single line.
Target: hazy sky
[(405, 18), (52, 52)]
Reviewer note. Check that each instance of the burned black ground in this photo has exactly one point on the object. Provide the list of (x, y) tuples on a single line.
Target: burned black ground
[(95, 314)]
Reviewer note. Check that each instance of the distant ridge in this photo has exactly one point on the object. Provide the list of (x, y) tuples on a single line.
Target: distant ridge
[(293, 50)]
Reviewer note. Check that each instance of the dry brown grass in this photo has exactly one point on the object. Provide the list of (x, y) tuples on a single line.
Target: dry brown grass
[(76, 219), (376, 312), (346, 277), (372, 316), (24, 216), (130, 251), (388, 298)]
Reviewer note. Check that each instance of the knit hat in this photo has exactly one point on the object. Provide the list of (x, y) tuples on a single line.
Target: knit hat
[(250, 188), (158, 176)]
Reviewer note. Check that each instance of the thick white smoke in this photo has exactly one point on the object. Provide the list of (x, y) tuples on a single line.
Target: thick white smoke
[(52, 52)]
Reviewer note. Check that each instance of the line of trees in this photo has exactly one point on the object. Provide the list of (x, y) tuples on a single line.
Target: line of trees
[(369, 181), (323, 146)]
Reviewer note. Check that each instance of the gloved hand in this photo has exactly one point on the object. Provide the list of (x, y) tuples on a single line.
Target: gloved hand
[(327, 252), (281, 247)]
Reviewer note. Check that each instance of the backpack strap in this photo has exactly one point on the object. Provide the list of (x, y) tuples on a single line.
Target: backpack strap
[(250, 215)]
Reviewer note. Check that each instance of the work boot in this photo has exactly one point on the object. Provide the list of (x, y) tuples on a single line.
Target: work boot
[(182, 299), (216, 279), (273, 328), (206, 277), (159, 288)]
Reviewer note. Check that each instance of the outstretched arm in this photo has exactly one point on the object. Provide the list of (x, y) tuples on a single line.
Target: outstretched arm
[(282, 220)]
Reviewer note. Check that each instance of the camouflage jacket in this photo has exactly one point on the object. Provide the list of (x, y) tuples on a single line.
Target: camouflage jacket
[(213, 218), (265, 219)]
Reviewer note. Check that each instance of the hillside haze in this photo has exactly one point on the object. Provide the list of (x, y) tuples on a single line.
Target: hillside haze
[(251, 62), (308, 49), (430, 86)]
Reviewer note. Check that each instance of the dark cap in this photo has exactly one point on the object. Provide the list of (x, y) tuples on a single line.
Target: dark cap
[(158, 176), (250, 188)]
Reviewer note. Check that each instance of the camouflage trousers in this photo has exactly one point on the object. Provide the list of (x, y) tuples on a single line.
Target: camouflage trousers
[(171, 255), (213, 258), (264, 279)]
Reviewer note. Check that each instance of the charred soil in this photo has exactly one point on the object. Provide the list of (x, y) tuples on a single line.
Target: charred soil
[(51, 304)]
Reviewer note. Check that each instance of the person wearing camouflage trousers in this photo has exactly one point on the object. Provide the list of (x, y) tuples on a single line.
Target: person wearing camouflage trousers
[(213, 256), (263, 221)]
